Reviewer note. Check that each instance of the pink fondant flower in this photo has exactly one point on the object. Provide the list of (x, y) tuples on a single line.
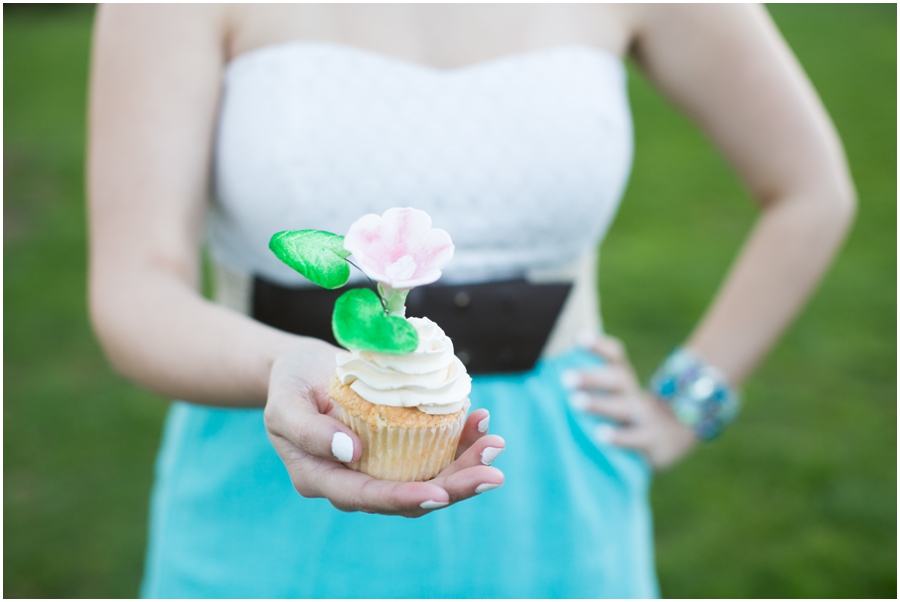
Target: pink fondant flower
[(399, 249)]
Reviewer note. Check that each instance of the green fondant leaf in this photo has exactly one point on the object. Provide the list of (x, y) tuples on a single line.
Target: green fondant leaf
[(318, 255), (359, 322)]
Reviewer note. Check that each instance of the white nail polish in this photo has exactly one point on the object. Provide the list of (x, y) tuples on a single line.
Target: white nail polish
[(490, 454), (579, 400), (486, 487), (483, 424), (431, 504), (570, 379), (342, 447), (604, 433)]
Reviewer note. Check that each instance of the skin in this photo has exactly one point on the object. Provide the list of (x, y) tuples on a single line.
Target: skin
[(156, 81)]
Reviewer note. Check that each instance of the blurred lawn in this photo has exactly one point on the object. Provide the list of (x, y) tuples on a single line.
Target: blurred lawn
[(797, 500)]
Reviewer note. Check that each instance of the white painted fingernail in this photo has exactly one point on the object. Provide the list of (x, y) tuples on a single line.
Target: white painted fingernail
[(579, 400), (490, 454), (605, 433), (486, 487), (342, 447), (431, 504), (570, 379), (483, 424)]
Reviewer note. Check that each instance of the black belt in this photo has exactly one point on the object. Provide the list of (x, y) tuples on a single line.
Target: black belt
[(495, 326)]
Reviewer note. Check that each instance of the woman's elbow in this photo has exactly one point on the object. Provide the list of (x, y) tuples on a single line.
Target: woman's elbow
[(826, 211), (109, 326), (839, 211), (841, 204)]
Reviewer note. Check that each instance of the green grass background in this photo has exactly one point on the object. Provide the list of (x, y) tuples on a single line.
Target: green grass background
[(797, 500)]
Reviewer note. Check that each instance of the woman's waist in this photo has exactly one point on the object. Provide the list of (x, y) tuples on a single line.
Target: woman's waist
[(496, 326)]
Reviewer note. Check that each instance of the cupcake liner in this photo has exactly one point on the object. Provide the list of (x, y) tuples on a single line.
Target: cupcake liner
[(395, 453)]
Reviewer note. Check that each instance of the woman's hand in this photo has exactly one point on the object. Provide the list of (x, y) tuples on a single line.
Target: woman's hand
[(613, 391), (302, 424)]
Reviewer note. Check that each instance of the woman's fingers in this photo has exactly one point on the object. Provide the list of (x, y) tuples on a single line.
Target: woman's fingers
[(618, 407), (610, 379), (468, 475), (475, 428), (601, 379), (464, 478), (296, 418), (325, 437), (469, 482), (350, 490), (471, 473), (660, 445), (481, 453), (632, 437), (295, 406)]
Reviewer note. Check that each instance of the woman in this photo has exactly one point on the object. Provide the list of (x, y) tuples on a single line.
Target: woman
[(509, 125)]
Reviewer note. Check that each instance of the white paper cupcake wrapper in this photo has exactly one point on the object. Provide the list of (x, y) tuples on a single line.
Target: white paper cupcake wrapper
[(404, 454)]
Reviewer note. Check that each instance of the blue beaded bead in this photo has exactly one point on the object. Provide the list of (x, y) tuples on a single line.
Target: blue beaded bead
[(698, 395)]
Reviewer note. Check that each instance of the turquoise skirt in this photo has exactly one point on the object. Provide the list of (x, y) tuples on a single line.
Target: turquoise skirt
[(571, 521)]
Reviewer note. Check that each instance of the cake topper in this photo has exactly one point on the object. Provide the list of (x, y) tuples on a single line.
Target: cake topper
[(398, 250)]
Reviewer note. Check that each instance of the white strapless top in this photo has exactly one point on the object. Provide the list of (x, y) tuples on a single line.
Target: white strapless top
[(522, 159)]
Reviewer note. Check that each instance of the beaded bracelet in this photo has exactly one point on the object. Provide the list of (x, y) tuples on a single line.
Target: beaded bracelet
[(697, 393)]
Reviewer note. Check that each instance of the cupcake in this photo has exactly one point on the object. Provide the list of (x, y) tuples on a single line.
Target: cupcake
[(399, 386), (408, 410)]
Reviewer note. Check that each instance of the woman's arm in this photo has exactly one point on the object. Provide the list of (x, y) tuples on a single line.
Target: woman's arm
[(155, 86), (728, 69)]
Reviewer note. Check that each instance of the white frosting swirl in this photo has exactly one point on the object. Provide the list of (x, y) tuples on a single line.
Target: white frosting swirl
[(431, 378)]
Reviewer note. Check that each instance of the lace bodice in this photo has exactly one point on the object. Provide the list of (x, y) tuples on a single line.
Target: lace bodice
[(522, 159)]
